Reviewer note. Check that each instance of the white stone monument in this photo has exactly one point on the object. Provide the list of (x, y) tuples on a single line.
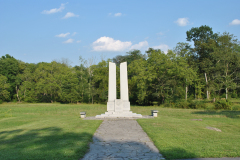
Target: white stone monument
[(118, 107)]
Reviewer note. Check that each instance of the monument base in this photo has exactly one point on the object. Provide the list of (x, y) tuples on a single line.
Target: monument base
[(119, 108), (127, 114)]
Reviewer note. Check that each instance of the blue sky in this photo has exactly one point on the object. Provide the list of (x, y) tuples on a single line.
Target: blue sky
[(47, 30)]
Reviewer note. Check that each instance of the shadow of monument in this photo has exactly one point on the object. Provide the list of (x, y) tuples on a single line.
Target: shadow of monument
[(45, 143), (229, 114)]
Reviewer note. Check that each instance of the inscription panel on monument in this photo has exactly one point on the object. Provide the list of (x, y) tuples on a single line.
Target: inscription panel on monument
[(118, 105)]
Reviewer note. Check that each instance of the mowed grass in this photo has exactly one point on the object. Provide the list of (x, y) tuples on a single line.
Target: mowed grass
[(46, 131), (177, 136), (55, 131)]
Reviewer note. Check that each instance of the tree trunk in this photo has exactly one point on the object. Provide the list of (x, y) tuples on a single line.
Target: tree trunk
[(207, 85), (92, 99), (226, 93), (186, 91), (89, 93), (17, 93), (226, 83)]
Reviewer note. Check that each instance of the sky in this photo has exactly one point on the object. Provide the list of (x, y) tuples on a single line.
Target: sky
[(47, 30)]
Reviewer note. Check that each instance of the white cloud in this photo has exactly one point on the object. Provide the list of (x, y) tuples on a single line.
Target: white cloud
[(69, 41), (160, 33), (182, 21), (140, 45), (74, 33), (54, 10), (63, 35), (235, 22), (70, 14), (117, 14), (163, 47), (109, 44), (78, 41)]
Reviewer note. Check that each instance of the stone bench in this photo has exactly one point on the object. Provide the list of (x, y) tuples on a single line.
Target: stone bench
[(154, 113), (83, 114)]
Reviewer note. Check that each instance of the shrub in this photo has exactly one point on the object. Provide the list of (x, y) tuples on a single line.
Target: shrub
[(223, 104), (1, 101), (234, 95), (187, 104), (223, 95), (197, 104), (236, 107), (182, 104)]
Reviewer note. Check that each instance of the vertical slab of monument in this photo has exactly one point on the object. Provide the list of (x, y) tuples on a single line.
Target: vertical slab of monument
[(124, 86), (118, 107), (112, 92)]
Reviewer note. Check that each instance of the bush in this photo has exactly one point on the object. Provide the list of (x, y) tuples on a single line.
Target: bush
[(189, 104), (197, 104), (236, 107), (234, 95), (223, 95), (223, 104), (1, 101), (182, 104)]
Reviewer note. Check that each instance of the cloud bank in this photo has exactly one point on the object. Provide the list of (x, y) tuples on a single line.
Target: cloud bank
[(69, 41), (117, 14), (109, 44), (54, 10), (63, 35), (235, 22), (163, 47), (140, 45), (70, 14), (182, 22)]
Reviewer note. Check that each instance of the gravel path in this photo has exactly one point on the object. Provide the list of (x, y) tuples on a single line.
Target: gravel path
[(121, 139)]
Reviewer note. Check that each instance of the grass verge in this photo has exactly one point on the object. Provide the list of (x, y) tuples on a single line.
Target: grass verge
[(177, 136), (45, 131), (54, 131)]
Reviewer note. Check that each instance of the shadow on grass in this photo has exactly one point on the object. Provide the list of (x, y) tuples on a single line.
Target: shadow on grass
[(229, 114), (45, 143), (177, 153)]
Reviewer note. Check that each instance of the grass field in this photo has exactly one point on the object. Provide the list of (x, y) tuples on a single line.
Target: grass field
[(55, 131), (45, 131), (177, 136)]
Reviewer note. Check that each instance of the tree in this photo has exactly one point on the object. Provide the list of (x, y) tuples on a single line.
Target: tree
[(10, 69), (82, 75), (100, 81), (168, 74), (204, 41), (4, 94), (226, 62), (138, 82), (129, 58)]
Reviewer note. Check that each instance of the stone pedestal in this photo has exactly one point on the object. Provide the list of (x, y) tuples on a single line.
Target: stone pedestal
[(118, 107)]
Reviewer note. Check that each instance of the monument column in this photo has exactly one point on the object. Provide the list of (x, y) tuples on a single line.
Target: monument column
[(124, 86), (112, 93), (117, 108)]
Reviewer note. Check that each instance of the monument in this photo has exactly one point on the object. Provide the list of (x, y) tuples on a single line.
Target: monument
[(118, 107)]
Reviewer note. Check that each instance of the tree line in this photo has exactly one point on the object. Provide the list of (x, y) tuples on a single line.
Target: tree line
[(208, 69)]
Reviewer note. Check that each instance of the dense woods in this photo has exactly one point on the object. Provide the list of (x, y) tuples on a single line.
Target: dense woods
[(208, 69)]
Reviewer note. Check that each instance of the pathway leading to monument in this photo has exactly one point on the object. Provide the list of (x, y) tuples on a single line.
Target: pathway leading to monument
[(121, 139)]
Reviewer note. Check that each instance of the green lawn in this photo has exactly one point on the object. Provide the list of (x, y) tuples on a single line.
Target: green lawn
[(55, 131), (177, 136), (45, 131)]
